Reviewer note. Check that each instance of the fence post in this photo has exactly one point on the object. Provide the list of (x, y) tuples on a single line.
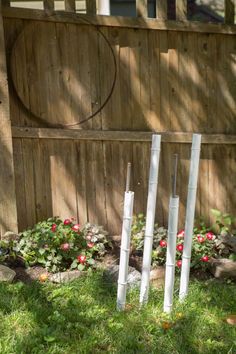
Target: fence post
[(70, 5), (142, 8), (8, 213), (229, 11), (181, 10), (161, 9), (91, 7)]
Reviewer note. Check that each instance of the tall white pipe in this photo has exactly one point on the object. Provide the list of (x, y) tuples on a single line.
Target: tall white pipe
[(103, 7), (189, 223), (124, 250), (171, 253), (150, 217)]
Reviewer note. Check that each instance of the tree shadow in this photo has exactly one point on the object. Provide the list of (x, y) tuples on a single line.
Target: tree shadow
[(166, 81)]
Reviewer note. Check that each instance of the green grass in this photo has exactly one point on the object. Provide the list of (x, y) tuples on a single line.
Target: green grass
[(81, 318)]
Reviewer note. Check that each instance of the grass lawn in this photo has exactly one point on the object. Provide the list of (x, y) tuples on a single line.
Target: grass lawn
[(81, 318)]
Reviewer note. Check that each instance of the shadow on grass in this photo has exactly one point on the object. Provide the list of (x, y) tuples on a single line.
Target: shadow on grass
[(80, 317)]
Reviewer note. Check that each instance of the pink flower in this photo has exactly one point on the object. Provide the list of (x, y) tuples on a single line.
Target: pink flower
[(163, 243), (67, 222), (210, 236), (200, 238), (181, 234), (65, 247), (180, 248), (179, 263), (90, 244), (81, 259), (205, 259), (76, 227), (54, 227)]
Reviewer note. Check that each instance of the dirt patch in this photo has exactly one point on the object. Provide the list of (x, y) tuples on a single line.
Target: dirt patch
[(28, 275)]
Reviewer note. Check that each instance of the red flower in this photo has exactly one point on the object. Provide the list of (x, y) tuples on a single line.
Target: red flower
[(81, 259), (209, 236), (179, 263), (54, 227), (67, 222), (180, 234), (76, 227), (205, 259), (200, 238), (90, 244), (163, 243), (180, 248), (65, 247)]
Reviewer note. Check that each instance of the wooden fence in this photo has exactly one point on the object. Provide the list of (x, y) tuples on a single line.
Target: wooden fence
[(86, 92)]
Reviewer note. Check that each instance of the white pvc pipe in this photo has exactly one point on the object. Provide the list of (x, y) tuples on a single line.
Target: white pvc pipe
[(171, 253), (103, 7), (150, 217), (124, 250), (189, 223)]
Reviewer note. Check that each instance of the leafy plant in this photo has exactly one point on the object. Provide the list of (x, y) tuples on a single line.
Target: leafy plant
[(223, 222), (205, 244), (59, 245)]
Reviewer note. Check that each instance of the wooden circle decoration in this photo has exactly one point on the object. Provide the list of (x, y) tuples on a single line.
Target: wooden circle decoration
[(63, 74)]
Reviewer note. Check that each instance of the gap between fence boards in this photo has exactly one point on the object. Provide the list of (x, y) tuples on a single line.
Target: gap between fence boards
[(108, 135)]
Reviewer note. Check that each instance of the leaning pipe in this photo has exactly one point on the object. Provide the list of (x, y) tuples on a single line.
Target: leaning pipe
[(190, 212), (150, 218)]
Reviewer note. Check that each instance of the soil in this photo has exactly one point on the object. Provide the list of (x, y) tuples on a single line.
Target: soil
[(27, 275)]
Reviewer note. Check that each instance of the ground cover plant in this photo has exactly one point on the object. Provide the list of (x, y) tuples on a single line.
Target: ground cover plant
[(58, 245), (80, 317), (207, 240)]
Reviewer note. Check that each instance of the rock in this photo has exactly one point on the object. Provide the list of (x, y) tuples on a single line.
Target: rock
[(223, 268), (230, 241), (157, 277), (6, 274), (65, 277), (134, 277), (10, 236), (231, 319)]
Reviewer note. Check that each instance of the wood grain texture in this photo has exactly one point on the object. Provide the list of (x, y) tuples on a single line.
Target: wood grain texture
[(106, 135), (181, 10), (142, 8), (8, 210), (173, 82), (229, 11), (70, 5), (91, 7), (119, 21), (161, 10)]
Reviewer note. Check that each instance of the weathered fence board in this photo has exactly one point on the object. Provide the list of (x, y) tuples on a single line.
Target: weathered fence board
[(167, 77)]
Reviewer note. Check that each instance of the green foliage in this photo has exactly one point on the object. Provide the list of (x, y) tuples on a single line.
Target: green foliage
[(60, 245), (80, 317), (205, 243), (224, 223)]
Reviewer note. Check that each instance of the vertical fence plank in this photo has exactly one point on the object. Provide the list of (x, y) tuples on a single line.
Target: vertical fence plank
[(6, 3), (229, 11), (91, 8), (70, 5), (142, 8), (161, 9), (181, 10), (48, 5), (8, 213)]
